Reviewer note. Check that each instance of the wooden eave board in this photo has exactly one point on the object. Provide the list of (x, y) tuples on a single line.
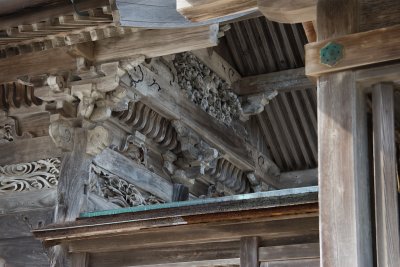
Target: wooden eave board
[(277, 204)]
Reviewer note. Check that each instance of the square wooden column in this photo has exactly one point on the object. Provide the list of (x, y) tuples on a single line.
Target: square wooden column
[(345, 232), (386, 200)]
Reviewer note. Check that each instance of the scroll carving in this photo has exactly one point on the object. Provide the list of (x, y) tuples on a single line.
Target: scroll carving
[(98, 139), (35, 175), (119, 191), (204, 88), (135, 148), (62, 134)]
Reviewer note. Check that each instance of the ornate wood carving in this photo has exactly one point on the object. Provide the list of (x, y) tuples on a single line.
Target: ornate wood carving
[(151, 124), (9, 131), (204, 88), (35, 175), (117, 190)]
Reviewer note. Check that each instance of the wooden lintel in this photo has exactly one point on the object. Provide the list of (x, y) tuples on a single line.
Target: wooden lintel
[(155, 43), (359, 49), (289, 11), (49, 61), (281, 81), (211, 9)]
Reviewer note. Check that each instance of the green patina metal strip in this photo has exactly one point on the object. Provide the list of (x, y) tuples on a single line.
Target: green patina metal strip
[(270, 194)]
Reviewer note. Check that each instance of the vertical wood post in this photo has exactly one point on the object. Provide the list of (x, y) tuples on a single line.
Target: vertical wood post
[(386, 202), (80, 259), (74, 174), (249, 251), (345, 231)]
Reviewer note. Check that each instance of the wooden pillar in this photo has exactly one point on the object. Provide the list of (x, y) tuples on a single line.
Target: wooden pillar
[(74, 176), (386, 202), (345, 235), (249, 252)]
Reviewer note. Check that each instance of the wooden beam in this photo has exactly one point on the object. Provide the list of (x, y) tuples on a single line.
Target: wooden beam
[(48, 61), (386, 194), (288, 11), (134, 173), (28, 200), (293, 263), (216, 63), (155, 43), (203, 10), (345, 231), (281, 81), (249, 251), (188, 254), (197, 233), (289, 252), (359, 49), (161, 14), (302, 178), (28, 150)]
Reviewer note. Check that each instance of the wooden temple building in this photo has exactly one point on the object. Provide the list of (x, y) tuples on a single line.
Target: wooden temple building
[(196, 133)]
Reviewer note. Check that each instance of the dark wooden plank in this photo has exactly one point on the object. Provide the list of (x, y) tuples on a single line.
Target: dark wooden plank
[(28, 200), (281, 81), (20, 224), (293, 263), (28, 150), (167, 255), (379, 14), (132, 172), (345, 227), (289, 252), (249, 251), (386, 195)]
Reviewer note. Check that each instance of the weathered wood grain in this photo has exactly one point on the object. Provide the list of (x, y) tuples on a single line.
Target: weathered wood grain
[(293, 263), (154, 43), (28, 200), (44, 62), (289, 252), (187, 254), (343, 172), (22, 252), (159, 14), (28, 150), (386, 195), (359, 49), (288, 11), (201, 233), (299, 178), (80, 259), (249, 251), (134, 173), (20, 224), (202, 10), (379, 14), (281, 81)]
